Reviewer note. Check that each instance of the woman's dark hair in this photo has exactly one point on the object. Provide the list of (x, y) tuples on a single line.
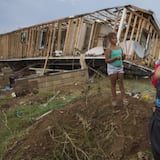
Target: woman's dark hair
[(107, 38), (111, 34)]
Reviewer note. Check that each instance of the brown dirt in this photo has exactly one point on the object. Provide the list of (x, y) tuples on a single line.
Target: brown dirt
[(88, 129)]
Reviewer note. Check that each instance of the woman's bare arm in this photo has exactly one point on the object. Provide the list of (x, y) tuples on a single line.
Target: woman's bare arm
[(107, 56)]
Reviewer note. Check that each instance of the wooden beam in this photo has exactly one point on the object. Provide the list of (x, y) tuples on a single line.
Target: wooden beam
[(53, 38), (116, 21), (131, 37), (142, 26), (28, 41), (91, 35), (138, 30), (66, 44), (127, 30), (49, 39), (121, 24), (47, 57), (59, 36), (80, 21)]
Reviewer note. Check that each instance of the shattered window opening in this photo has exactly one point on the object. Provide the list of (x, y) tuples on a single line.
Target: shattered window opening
[(43, 37), (23, 37), (87, 37)]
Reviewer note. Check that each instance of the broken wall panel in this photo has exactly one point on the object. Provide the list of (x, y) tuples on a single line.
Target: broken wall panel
[(136, 26), (4, 52), (71, 36), (52, 82)]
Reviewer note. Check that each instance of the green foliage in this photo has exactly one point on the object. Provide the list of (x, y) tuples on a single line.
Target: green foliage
[(14, 121)]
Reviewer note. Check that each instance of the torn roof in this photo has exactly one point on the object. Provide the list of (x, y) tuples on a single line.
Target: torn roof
[(109, 15)]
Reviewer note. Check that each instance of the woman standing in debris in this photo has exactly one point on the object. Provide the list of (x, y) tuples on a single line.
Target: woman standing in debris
[(154, 125), (114, 58)]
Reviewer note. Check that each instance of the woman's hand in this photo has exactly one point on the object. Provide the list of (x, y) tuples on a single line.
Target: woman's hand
[(118, 58), (124, 56)]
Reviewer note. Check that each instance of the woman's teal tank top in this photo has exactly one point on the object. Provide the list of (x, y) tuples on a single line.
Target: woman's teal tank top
[(115, 53)]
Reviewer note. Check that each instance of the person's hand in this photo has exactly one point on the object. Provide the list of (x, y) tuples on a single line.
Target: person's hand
[(118, 57), (124, 56)]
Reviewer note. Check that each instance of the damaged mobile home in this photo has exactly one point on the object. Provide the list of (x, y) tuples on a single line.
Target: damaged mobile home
[(138, 33), (64, 40)]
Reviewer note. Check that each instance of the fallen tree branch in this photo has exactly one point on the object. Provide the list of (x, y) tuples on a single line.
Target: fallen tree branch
[(51, 99), (5, 121), (75, 147)]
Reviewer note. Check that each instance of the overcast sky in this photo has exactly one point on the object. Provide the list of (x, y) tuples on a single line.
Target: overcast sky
[(15, 14)]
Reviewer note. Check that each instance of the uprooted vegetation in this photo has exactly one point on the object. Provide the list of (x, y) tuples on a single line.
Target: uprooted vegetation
[(80, 124)]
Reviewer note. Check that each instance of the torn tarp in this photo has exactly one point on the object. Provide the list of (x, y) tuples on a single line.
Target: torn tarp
[(129, 47)]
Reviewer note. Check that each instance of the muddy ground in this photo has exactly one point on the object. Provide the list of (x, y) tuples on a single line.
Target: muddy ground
[(88, 129)]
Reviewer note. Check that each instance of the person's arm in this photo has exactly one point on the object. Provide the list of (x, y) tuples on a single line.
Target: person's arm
[(157, 73), (123, 55), (108, 58)]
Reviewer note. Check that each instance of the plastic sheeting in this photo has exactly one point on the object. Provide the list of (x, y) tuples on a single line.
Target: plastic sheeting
[(134, 47), (96, 51)]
